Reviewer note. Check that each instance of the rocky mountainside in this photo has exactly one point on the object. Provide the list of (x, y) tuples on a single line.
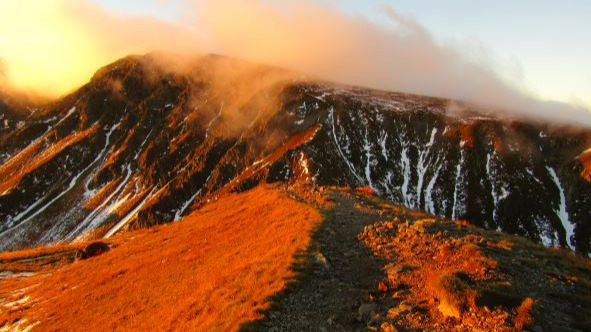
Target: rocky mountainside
[(147, 141)]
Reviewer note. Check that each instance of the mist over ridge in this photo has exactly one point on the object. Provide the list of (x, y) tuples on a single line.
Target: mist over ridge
[(316, 39)]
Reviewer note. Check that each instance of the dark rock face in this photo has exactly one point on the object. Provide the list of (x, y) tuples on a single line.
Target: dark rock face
[(141, 145), (13, 113)]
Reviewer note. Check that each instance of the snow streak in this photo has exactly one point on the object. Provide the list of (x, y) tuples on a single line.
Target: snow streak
[(214, 120), (458, 186), (129, 216), (422, 166), (331, 118), (429, 204), (562, 213), (405, 165), (368, 156)]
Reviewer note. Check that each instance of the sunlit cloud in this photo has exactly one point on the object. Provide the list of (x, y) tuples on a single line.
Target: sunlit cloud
[(55, 46)]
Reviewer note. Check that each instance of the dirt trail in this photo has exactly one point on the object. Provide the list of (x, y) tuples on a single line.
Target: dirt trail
[(343, 277)]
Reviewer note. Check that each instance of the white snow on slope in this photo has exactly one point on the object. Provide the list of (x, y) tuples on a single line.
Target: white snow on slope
[(429, 204), (100, 214), (382, 141), (499, 190), (70, 112), (562, 213), (179, 213), (493, 186), (141, 147), (129, 216), (422, 166), (100, 156), (331, 118), (72, 184), (367, 148), (218, 116), (405, 166), (458, 186)]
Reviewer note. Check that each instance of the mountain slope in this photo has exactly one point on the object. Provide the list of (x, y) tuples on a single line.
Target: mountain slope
[(211, 272), (367, 265), (147, 141)]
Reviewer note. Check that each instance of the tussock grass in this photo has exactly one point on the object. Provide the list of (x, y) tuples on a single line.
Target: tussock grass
[(213, 271), (524, 318), (454, 293)]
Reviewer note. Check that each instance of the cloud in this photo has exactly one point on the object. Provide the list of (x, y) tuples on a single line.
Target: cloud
[(316, 38), (320, 39)]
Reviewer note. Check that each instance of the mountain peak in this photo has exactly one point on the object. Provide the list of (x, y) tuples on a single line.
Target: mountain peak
[(153, 137)]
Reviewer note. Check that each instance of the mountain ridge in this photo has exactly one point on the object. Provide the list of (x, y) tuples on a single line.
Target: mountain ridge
[(144, 144), (300, 258)]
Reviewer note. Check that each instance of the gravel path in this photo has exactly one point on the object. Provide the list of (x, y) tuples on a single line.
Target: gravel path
[(344, 276)]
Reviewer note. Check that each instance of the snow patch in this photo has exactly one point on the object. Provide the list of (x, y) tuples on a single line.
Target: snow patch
[(181, 210), (498, 192), (405, 165), (382, 141), (429, 203), (100, 214), (70, 112), (128, 217), (100, 156), (367, 148), (562, 212), (458, 186)]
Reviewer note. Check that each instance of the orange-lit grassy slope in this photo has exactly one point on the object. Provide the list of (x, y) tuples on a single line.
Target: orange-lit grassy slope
[(585, 159), (260, 165), (212, 271), (13, 171)]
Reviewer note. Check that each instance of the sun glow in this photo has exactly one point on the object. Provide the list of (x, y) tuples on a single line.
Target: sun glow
[(52, 47), (46, 51)]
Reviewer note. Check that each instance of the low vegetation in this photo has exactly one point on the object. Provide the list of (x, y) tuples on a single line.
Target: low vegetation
[(212, 271), (227, 266), (448, 275), (454, 293)]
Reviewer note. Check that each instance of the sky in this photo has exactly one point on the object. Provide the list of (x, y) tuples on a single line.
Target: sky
[(543, 42), (508, 54), (540, 45)]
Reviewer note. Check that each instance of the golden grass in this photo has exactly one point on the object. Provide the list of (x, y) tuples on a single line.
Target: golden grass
[(10, 179), (6, 256), (97, 199), (524, 318), (369, 191), (295, 141), (212, 271), (586, 163)]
